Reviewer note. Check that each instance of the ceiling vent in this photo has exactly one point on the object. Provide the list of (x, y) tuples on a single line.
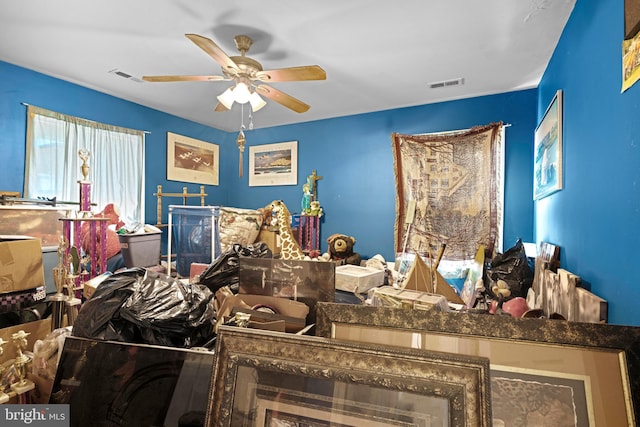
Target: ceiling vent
[(125, 75), (447, 83)]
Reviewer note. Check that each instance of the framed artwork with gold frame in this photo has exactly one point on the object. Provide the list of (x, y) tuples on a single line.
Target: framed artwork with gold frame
[(268, 378), (192, 160), (584, 372)]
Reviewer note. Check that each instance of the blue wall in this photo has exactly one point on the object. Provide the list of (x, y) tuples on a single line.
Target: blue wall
[(596, 217), (18, 85), (353, 154)]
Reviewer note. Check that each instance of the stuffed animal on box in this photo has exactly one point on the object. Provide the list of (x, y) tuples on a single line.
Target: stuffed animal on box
[(341, 249)]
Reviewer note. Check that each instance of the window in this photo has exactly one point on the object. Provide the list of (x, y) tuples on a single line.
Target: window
[(116, 162)]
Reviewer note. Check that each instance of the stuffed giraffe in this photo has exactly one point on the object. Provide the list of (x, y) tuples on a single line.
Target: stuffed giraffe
[(289, 246)]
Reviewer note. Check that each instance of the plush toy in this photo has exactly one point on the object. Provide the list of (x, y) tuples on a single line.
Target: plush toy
[(341, 250), (314, 209)]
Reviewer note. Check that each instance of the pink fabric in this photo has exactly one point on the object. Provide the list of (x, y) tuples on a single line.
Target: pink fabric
[(113, 243)]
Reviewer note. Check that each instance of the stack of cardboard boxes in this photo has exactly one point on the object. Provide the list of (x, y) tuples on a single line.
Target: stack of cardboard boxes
[(22, 285)]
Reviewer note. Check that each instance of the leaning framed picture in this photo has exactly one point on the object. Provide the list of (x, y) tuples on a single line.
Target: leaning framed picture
[(273, 164), (543, 372), (547, 154), (192, 160), (266, 378)]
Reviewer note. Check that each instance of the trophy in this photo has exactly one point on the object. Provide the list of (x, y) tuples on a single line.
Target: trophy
[(4, 397), (85, 185), (59, 279), (20, 364)]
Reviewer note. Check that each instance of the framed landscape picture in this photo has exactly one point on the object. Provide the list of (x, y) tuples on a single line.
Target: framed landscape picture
[(547, 154), (273, 164), (192, 160)]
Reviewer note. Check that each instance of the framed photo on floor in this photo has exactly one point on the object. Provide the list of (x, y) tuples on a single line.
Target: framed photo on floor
[(192, 160), (542, 371), (273, 164), (266, 378)]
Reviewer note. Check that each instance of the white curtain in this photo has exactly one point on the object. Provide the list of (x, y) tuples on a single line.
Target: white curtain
[(116, 162)]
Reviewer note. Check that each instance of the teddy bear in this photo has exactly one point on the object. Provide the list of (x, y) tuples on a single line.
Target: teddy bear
[(341, 250)]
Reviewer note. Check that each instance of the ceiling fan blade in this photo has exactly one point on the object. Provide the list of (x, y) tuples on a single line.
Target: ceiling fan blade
[(309, 72), (282, 98), (220, 108), (214, 51), (183, 78)]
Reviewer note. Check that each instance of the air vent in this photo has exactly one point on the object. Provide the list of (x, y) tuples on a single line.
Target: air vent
[(124, 75), (447, 83)]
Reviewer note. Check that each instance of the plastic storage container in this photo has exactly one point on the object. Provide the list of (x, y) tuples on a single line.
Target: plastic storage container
[(140, 250)]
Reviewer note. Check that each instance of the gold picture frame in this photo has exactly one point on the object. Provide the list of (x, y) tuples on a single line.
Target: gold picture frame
[(192, 160), (261, 378), (273, 164), (597, 364)]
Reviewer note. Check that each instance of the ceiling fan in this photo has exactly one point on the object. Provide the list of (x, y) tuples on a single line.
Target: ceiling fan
[(248, 76)]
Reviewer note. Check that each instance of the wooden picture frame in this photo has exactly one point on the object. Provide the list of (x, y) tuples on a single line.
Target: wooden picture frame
[(273, 164), (631, 18), (547, 154), (192, 160), (262, 376), (600, 363)]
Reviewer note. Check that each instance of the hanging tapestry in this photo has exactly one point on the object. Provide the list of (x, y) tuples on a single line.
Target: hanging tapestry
[(452, 179)]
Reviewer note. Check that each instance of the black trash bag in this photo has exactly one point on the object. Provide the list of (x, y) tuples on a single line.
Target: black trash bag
[(513, 269), (225, 269), (99, 317), (169, 312), (145, 307)]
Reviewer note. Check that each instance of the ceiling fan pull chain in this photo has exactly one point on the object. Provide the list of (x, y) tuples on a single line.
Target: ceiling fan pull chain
[(241, 141)]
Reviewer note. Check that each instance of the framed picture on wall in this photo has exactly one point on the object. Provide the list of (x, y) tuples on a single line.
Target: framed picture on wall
[(192, 160), (547, 154), (273, 164), (631, 18)]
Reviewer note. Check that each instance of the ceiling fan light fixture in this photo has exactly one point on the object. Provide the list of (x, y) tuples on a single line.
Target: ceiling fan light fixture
[(256, 102), (241, 93), (226, 98)]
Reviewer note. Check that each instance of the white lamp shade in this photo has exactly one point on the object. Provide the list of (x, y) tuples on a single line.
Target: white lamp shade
[(226, 98), (256, 102), (241, 93)]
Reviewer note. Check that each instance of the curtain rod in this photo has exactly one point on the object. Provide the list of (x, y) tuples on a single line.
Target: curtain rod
[(29, 105)]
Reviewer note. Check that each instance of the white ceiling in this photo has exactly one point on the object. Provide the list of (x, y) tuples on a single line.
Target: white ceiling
[(377, 55)]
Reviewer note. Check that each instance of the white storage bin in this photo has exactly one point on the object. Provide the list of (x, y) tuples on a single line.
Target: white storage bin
[(352, 278)]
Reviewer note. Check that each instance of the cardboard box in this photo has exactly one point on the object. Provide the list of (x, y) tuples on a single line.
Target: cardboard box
[(37, 330), (388, 296), (304, 281), (20, 264), (353, 278), (271, 238), (92, 284), (292, 314)]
